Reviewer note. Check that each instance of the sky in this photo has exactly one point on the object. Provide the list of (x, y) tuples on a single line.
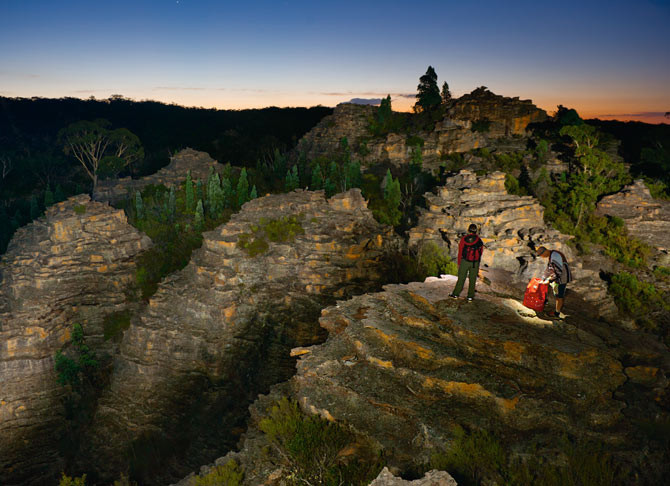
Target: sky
[(606, 59)]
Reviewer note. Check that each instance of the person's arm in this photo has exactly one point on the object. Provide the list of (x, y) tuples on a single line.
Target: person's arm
[(460, 249)]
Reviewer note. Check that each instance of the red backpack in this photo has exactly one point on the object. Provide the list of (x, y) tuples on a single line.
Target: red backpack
[(473, 252)]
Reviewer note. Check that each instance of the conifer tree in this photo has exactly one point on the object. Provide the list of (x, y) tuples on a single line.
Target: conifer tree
[(253, 194), (139, 206), (34, 208), (48, 197), (190, 196), (428, 94), (446, 94), (199, 216), (330, 187), (392, 197), (352, 172), (242, 189), (227, 192), (317, 178), (292, 179), (333, 175), (384, 113), (199, 190)]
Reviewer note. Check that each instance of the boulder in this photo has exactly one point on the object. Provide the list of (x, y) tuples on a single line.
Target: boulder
[(431, 478), (71, 265), (219, 332)]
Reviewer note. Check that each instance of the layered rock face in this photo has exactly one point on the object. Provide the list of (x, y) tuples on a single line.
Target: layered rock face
[(646, 218), (506, 120), (72, 265), (219, 331), (511, 228), (405, 365), (199, 163)]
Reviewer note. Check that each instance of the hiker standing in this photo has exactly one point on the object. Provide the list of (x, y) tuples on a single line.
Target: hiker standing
[(557, 273), (470, 251)]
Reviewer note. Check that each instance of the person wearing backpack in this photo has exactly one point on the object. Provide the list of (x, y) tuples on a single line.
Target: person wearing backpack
[(470, 251), (558, 274)]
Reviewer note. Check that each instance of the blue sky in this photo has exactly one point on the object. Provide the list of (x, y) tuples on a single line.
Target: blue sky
[(603, 58)]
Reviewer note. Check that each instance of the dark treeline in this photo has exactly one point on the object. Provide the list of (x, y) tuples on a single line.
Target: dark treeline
[(33, 165)]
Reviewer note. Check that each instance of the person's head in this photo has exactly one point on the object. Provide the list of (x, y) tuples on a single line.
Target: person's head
[(472, 228), (542, 252)]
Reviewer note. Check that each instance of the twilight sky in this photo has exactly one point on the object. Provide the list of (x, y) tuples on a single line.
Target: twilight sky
[(604, 58)]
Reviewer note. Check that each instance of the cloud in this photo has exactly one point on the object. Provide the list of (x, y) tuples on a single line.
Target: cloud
[(176, 88), (365, 101), (403, 95), (8, 74)]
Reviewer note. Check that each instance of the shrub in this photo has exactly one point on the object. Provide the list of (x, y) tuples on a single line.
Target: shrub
[(662, 273), (513, 187), (281, 230), (229, 474), (79, 209), (70, 370), (636, 298), (66, 480), (435, 260), (658, 189), (309, 448), (478, 457)]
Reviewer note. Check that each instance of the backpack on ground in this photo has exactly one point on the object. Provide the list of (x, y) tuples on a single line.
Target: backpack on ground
[(535, 295)]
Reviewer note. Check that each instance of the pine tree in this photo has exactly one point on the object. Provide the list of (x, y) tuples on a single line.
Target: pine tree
[(213, 189), (330, 187), (48, 197), (242, 189), (446, 94), (199, 216), (392, 197), (227, 192), (34, 208), (428, 94), (199, 190), (190, 196), (317, 178), (253, 194), (352, 173), (334, 176), (292, 179), (139, 206), (384, 113)]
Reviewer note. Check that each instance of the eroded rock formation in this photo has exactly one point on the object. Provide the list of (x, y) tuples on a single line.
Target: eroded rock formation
[(646, 218), (199, 163), (218, 332), (504, 123), (72, 265), (431, 478), (405, 365)]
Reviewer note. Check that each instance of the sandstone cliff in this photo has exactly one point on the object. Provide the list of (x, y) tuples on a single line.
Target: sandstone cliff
[(72, 265), (506, 120), (199, 163), (646, 218), (510, 226), (218, 332)]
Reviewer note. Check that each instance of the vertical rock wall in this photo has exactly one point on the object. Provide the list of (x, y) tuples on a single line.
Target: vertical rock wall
[(72, 265)]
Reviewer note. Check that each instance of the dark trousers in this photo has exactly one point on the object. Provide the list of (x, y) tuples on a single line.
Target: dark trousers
[(470, 270)]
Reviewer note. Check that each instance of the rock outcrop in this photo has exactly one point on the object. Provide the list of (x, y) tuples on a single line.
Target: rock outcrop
[(199, 163), (511, 228), (219, 332), (72, 265), (646, 218), (431, 478), (479, 119), (405, 365)]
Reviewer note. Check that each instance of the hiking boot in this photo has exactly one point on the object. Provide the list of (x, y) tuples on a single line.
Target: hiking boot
[(453, 295), (470, 299)]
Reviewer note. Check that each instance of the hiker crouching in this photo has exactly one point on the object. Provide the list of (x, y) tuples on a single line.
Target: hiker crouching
[(557, 273), (470, 251)]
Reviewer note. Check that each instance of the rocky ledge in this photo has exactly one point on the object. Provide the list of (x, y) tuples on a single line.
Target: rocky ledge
[(646, 218), (199, 163), (219, 332), (72, 265)]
